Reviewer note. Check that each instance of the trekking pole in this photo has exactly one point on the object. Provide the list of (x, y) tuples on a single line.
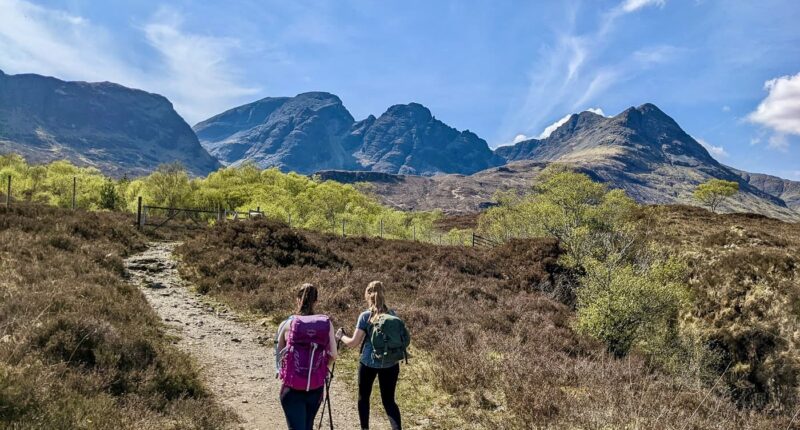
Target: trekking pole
[(328, 395)]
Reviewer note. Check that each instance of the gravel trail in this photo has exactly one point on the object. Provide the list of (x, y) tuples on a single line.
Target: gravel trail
[(235, 356)]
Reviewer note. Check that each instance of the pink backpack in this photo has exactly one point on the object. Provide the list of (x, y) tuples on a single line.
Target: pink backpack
[(304, 365)]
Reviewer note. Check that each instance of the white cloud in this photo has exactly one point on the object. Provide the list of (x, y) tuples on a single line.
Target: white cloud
[(726, 108), (520, 138), (199, 75), (716, 151), (779, 142), (659, 54), (569, 74), (634, 5), (552, 127), (780, 110), (193, 71), (517, 139), (597, 111)]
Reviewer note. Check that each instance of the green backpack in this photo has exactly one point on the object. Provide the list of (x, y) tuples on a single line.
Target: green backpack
[(390, 339)]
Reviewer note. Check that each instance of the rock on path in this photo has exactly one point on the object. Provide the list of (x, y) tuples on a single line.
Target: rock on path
[(235, 357)]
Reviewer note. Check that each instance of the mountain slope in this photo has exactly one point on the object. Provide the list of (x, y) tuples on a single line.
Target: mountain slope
[(642, 150), (301, 133), (786, 190), (116, 129), (407, 139), (314, 131), (645, 152)]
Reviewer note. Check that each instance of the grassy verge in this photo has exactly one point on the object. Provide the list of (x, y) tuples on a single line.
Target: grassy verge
[(80, 347), (494, 349)]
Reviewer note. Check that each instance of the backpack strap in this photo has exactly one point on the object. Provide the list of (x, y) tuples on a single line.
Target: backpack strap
[(277, 341), (367, 334)]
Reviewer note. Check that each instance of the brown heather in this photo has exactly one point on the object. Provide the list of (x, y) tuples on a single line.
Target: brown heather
[(491, 322), (80, 347), (745, 277)]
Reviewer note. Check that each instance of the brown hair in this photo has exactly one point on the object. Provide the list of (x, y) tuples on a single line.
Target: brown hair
[(307, 295), (376, 299)]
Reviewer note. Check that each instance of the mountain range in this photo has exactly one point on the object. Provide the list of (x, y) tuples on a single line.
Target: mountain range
[(314, 131), (119, 130), (412, 159)]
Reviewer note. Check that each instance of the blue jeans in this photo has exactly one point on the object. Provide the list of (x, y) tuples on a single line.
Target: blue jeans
[(300, 407)]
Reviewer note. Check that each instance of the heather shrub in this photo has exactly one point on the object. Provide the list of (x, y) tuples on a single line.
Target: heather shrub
[(491, 348), (80, 347)]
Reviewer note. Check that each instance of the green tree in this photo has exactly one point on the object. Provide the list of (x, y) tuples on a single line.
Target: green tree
[(713, 192), (168, 186), (586, 218), (627, 293), (109, 197), (633, 305)]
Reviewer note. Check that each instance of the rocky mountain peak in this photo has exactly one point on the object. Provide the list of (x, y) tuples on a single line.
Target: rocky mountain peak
[(413, 111), (117, 129)]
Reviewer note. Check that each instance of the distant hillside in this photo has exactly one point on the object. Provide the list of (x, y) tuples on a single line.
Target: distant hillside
[(788, 191), (314, 131), (642, 150), (116, 129)]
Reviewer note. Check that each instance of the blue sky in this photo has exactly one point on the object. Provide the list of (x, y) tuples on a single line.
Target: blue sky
[(727, 71)]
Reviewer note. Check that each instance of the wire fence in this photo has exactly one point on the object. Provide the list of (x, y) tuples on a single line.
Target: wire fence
[(9, 194), (155, 217)]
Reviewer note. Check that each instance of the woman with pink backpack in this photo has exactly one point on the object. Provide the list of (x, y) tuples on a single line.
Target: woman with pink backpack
[(305, 347)]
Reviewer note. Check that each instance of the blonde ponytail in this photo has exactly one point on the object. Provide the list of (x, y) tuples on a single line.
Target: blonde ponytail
[(376, 299)]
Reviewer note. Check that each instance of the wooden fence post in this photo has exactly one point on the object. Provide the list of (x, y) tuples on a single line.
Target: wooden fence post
[(139, 219), (381, 235), (8, 193), (343, 235), (473, 239), (74, 190)]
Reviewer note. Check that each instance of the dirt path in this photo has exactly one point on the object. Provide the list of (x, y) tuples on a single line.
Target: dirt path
[(235, 356)]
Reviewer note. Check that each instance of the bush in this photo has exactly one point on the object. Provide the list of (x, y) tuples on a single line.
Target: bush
[(631, 306)]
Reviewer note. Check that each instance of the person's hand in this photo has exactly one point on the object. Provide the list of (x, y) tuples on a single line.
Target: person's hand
[(339, 334)]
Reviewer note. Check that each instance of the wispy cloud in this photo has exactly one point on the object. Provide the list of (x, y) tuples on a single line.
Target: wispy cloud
[(716, 151), (597, 111), (778, 142), (191, 70), (569, 76), (634, 5), (199, 77), (554, 126)]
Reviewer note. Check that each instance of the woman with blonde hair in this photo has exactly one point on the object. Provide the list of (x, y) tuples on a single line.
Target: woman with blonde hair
[(384, 339)]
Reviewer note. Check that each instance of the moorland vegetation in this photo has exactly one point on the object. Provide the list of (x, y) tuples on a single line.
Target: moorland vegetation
[(596, 312), (593, 310), (79, 346)]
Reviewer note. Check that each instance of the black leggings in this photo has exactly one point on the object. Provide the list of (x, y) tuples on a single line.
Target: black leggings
[(300, 407), (387, 382)]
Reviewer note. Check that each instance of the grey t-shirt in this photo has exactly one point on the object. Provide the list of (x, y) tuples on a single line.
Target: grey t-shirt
[(366, 355)]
